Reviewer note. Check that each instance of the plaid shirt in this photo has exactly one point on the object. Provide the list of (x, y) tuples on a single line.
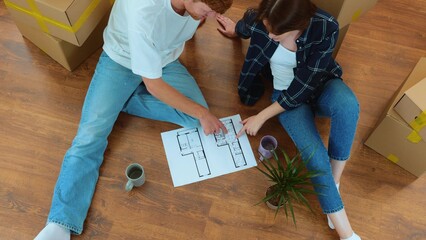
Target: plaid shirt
[(315, 65)]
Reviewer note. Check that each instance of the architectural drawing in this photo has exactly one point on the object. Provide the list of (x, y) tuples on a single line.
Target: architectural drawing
[(193, 156), (232, 142), (190, 143)]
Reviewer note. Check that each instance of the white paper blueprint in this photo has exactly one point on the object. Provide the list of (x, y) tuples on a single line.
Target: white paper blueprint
[(193, 156)]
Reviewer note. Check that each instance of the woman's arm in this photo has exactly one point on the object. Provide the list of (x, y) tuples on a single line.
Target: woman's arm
[(226, 26), (243, 28), (252, 124)]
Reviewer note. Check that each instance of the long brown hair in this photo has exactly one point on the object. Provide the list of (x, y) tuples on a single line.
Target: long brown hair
[(286, 15)]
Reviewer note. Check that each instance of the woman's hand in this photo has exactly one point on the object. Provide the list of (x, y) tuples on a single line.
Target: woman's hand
[(251, 125), (227, 26)]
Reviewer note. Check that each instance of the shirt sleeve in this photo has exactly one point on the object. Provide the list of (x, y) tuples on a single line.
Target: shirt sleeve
[(244, 28), (308, 76), (145, 60)]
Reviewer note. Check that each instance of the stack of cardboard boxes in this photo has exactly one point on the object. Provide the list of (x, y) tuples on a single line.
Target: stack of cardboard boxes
[(400, 135), (69, 31), (345, 11)]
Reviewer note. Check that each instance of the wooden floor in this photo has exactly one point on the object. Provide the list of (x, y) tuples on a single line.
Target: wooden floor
[(40, 106)]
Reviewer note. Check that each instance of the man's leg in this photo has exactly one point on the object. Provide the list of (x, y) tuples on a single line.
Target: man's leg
[(143, 104), (109, 89)]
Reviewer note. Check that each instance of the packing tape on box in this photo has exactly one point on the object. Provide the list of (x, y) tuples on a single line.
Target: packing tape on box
[(414, 137), (393, 158), (419, 122), (42, 20), (356, 14)]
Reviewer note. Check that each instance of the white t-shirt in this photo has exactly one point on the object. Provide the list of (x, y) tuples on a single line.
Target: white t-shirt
[(146, 35), (282, 63)]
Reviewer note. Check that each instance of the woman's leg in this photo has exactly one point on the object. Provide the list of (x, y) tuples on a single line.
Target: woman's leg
[(143, 104), (109, 89), (339, 103), (337, 168), (300, 126)]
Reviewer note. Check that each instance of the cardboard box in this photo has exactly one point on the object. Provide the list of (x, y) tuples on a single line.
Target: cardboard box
[(412, 108), (69, 20), (345, 11), (393, 138), (342, 34), (65, 53)]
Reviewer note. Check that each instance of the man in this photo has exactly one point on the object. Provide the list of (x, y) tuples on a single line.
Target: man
[(138, 73)]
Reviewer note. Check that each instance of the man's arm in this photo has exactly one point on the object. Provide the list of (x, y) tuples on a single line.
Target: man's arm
[(167, 94)]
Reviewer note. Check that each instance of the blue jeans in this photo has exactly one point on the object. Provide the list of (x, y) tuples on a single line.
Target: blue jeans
[(113, 89), (338, 102)]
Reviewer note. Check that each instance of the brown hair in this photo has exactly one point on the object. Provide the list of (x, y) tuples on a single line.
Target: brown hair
[(219, 6), (286, 15)]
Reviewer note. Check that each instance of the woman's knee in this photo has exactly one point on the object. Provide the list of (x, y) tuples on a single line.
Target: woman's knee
[(342, 99), (350, 104)]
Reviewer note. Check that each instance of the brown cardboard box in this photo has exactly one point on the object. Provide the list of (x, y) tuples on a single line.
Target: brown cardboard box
[(65, 53), (392, 137), (345, 11), (69, 20), (412, 108), (342, 33)]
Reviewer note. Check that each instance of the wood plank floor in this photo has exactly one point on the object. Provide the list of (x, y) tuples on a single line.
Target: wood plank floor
[(40, 106)]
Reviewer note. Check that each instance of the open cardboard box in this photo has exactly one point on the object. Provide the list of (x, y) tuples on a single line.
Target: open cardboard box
[(412, 108), (393, 137)]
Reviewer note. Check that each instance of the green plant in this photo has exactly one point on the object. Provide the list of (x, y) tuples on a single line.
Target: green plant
[(291, 181)]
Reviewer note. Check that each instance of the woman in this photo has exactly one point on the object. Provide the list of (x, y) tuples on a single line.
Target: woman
[(293, 41)]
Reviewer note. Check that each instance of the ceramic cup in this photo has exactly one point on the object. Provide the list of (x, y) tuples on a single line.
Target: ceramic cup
[(267, 145), (135, 176)]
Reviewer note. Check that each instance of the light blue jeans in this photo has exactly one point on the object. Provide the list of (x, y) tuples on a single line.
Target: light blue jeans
[(113, 89), (338, 102)]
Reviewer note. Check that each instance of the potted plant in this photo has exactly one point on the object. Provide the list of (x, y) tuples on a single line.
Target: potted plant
[(290, 182)]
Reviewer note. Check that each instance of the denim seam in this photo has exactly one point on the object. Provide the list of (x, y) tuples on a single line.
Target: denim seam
[(73, 229), (334, 210), (339, 158)]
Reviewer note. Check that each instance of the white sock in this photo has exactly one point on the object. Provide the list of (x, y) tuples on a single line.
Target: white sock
[(353, 237), (54, 231), (330, 223)]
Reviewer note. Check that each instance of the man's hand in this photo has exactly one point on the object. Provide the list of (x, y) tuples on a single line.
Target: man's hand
[(211, 124), (170, 96), (227, 26)]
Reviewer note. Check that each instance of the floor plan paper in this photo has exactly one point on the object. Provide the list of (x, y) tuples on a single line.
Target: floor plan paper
[(192, 156)]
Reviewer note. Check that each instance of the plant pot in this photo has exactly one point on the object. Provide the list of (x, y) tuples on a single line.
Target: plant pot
[(272, 203), (271, 206)]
